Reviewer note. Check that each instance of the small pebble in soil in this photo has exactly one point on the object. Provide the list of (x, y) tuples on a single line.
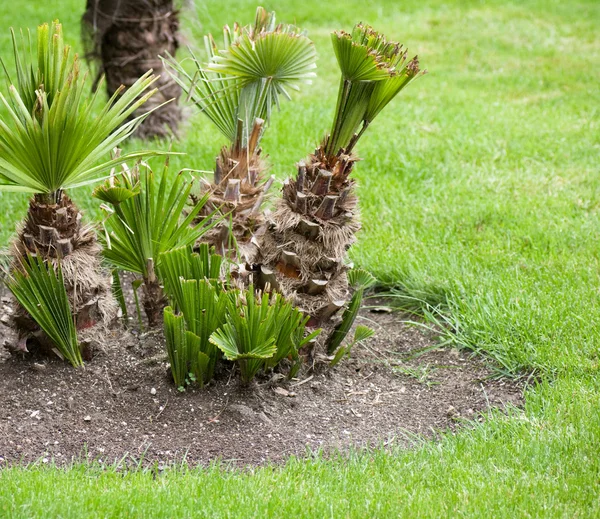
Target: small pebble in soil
[(452, 412), (87, 418), (153, 391)]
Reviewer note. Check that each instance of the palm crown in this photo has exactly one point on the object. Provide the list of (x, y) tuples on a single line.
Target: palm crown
[(243, 82), (52, 138), (374, 70)]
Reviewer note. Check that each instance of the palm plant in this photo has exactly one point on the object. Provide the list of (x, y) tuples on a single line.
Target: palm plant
[(198, 301), (207, 316), (126, 38), (39, 288), (316, 220), (237, 91), (145, 220), (52, 139), (260, 332)]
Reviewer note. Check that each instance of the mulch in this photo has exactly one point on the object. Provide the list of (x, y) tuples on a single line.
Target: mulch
[(124, 405)]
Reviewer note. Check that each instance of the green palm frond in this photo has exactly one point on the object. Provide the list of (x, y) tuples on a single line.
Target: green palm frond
[(291, 334), (182, 263), (52, 138), (362, 333), (374, 70), (261, 332), (147, 217), (248, 336), (39, 288), (360, 278), (244, 81), (184, 350), (47, 71), (191, 281)]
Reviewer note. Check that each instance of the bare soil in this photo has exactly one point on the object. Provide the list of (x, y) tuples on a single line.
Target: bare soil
[(123, 404)]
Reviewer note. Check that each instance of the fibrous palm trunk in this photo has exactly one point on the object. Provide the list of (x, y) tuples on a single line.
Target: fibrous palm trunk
[(53, 229), (302, 253), (128, 36), (154, 297), (238, 190)]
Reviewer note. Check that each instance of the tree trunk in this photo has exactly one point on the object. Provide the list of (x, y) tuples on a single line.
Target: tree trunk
[(238, 190), (53, 229), (154, 297), (127, 37), (303, 251)]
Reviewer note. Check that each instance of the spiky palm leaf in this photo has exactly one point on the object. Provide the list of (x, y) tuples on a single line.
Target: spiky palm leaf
[(237, 91), (198, 308), (316, 221), (39, 288), (50, 69), (145, 220), (183, 263), (260, 332), (248, 336)]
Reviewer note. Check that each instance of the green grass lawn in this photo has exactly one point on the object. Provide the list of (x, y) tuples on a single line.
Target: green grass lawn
[(480, 196)]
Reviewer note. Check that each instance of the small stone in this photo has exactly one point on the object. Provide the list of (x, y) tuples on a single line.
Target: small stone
[(5, 320), (38, 366), (153, 391), (35, 414), (382, 310), (451, 411), (281, 391), (87, 418)]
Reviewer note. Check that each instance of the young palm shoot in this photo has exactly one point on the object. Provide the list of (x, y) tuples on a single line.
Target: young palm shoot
[(316, 220), (52, 139), (197, 308), (238, 91), (39, 288), (145, 220), (261, 332)]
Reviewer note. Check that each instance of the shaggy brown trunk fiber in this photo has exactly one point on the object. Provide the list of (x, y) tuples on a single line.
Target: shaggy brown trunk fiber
[(302, 252), (238, 190), (127, 37), (154, 297), (53, 229)]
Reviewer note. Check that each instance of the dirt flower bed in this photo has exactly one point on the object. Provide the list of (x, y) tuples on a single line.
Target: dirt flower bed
[(124, 404)]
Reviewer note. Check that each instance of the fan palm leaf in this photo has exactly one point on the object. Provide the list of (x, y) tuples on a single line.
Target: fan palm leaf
[(145, 220), (238, 89), (39, 288), (374, 70), (52, 138)]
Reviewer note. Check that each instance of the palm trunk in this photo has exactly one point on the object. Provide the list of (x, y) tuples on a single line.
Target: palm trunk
[(53, 229), (128, 36), (154, 297), (238, 190), (304, 249)]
